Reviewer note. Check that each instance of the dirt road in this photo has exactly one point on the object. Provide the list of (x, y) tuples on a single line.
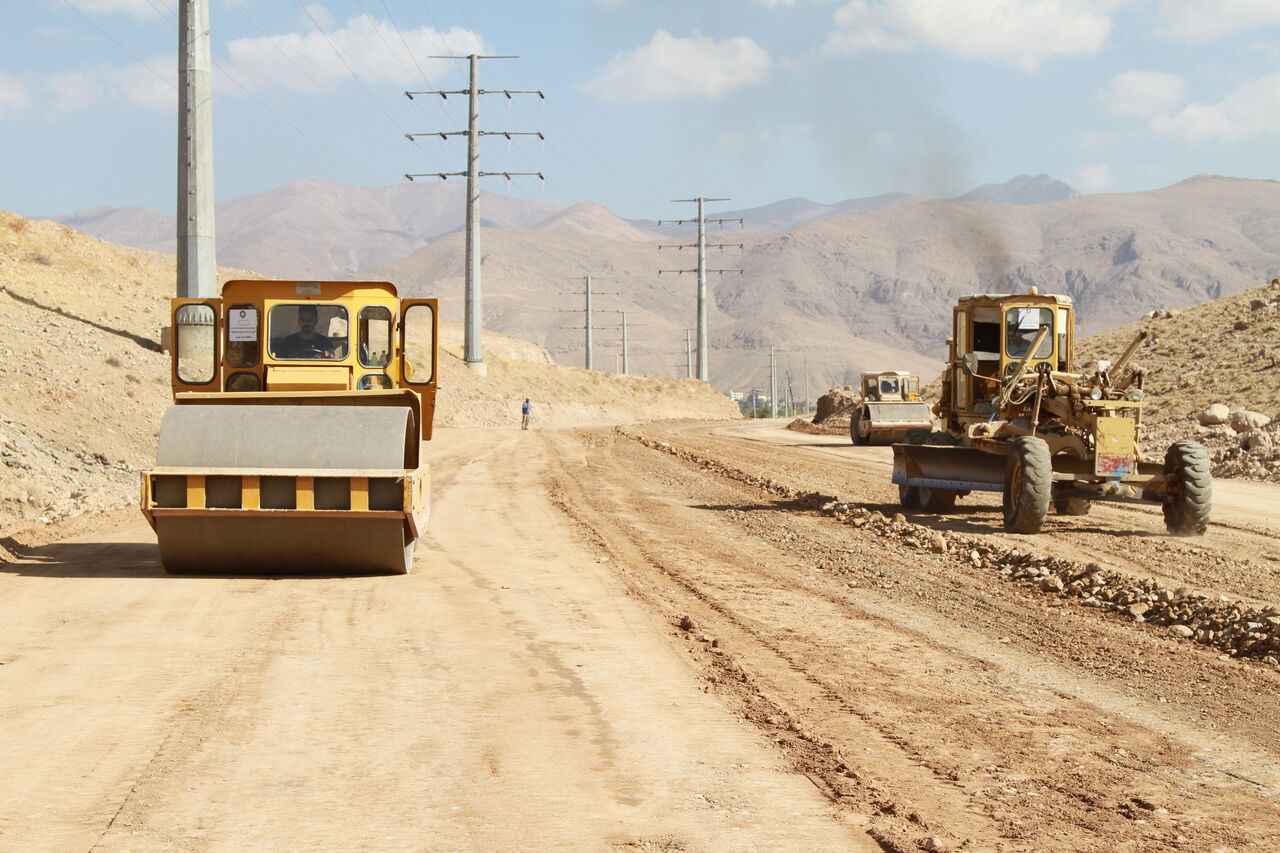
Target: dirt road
[(528, 688), (508, 695)]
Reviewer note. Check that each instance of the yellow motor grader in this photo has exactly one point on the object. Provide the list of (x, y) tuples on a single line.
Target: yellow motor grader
[(1018, 419), (292, 445)]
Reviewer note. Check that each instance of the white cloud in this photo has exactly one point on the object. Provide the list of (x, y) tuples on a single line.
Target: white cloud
[(48, 94), (137, 8), (1143, 93), (1022, 33), (1200, 20), (373, 48), (669, 68), (1093, 179), (15, 100), (1250, 111)]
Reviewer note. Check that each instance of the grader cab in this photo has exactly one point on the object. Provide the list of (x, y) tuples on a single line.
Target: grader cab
[(1018, 419), (292, 445), (890, 406)]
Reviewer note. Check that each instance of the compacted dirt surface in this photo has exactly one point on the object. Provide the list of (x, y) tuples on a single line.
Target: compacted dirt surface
[(641, 638)]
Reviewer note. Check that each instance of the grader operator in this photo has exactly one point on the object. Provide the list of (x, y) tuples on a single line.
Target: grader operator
[(1018, 419), (292, 445)]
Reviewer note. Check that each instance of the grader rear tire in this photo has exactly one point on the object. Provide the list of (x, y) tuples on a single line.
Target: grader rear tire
[(1028, 481), (1188, 494)]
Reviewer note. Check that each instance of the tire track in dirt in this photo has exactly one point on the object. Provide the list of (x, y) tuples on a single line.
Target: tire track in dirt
[(822, 701)]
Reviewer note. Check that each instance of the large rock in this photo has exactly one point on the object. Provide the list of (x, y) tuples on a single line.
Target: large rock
[(833, 401), (1216, 413), (1244, 420), (1258, 441)]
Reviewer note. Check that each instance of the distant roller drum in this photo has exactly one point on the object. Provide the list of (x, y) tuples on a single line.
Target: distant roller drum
[(288, 445)]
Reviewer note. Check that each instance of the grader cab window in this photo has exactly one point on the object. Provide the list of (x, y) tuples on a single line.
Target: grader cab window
[(375, 336), (308, 332), (197, 344), (1021, 325)]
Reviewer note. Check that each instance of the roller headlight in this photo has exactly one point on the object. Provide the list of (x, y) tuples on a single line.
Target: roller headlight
[(1095, 393), (244, 382), (1136, 395)]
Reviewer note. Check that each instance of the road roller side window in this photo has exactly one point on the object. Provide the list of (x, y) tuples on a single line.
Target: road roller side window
[(375, 382), (1021, 325), (196, 333), (419, 344), (243, 335), (375, 336), (308, 332)]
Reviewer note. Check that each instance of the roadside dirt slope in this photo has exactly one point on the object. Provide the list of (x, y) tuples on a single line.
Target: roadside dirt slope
[(1224, 351), (83, 383)]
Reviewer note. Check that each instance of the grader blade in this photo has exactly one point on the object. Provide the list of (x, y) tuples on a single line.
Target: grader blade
[(941, 467)]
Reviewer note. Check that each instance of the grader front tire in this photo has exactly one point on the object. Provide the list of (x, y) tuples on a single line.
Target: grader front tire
[(1028, 481), (1188, 493)]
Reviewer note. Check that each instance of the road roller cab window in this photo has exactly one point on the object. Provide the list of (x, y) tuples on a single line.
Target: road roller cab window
[(243, 335), (419, 344), (308, 332), (375, 336), (197, 340), (888, 387), (1020, 328)]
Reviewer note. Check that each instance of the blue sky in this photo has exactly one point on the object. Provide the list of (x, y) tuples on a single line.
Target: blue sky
[(647, 100)]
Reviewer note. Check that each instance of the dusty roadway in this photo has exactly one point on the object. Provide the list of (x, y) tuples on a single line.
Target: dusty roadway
[(508, 695), (527, 688)]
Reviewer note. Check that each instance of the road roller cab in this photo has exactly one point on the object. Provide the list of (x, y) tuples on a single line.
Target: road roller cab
[(293, 442)]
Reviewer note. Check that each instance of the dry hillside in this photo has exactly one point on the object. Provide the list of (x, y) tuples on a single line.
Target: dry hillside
[(1224, 351), (83, 383), (873, 290)]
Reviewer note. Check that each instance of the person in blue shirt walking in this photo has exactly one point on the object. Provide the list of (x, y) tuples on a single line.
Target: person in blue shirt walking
[(525, 410)]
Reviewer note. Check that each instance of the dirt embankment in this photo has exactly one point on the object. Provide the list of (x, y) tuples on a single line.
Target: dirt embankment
[(1226, 351), (83, 383)]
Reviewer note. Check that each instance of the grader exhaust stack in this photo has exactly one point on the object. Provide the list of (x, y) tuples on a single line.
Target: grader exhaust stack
[(293, 443)]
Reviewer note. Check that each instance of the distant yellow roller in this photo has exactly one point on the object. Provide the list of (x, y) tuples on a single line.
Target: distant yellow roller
[(293, 443)]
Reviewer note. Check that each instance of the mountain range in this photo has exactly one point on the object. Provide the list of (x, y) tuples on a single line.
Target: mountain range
[(861, 284)]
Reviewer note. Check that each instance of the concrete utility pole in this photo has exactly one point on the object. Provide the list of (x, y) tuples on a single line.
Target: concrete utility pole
[(773, 384), (806, 383), (473, 313), (701, 270), (625, 355), (197, 264), (588, 323)]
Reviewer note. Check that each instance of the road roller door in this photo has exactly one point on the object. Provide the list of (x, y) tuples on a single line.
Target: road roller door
[(419, 363), (196, 352)]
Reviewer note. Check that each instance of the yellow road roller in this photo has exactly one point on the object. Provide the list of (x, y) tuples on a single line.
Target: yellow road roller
[(292, 445)]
